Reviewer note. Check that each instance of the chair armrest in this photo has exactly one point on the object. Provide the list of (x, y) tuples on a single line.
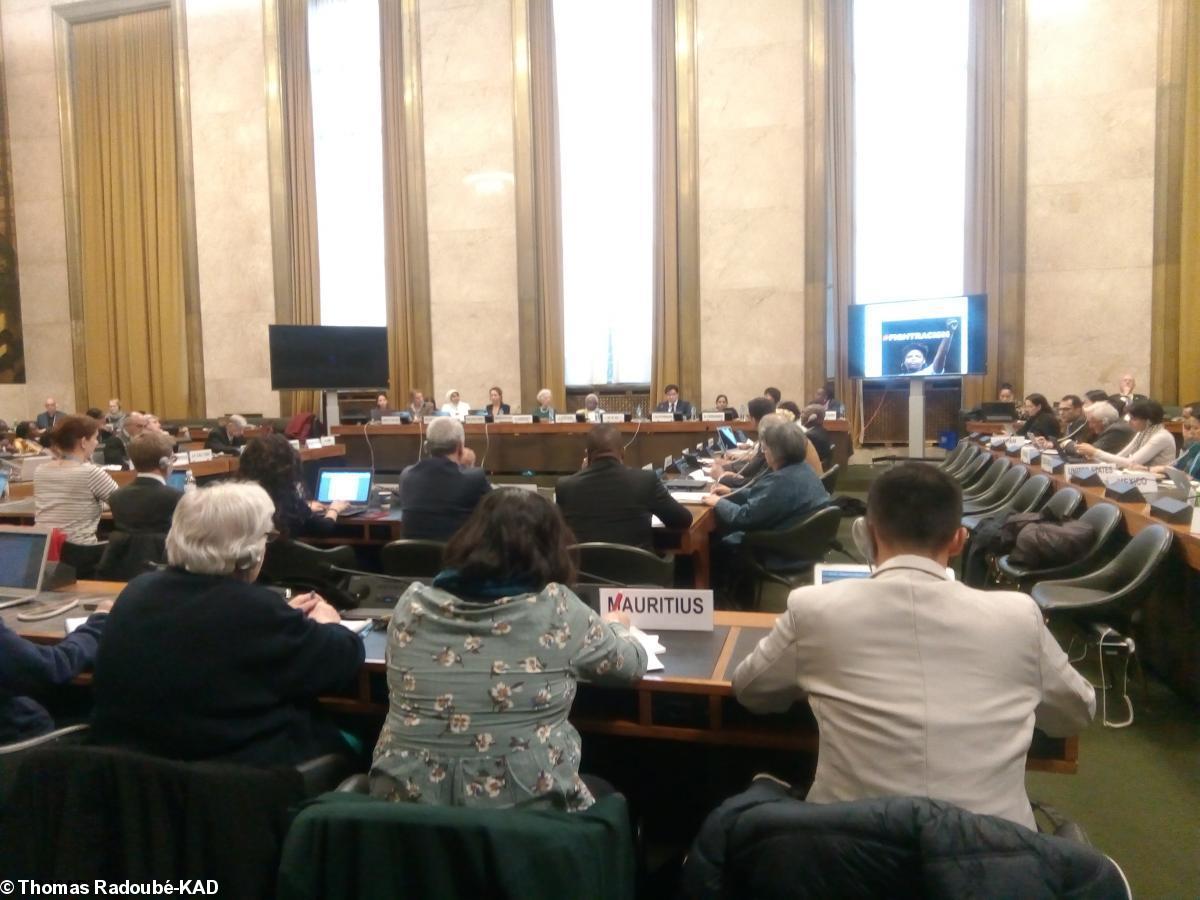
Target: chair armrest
[(72, 734), (355, 784), (324, 773)]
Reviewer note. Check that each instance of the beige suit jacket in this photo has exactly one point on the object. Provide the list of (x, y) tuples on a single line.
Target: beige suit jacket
[(921, 686)]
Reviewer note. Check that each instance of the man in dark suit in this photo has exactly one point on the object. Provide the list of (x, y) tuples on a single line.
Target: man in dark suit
[(51, 417), (116, 447), (608, 501), (146, 504), (672, 404), (229, 437), (438, 494)]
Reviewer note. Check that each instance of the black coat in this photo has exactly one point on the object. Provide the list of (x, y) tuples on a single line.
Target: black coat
[(1044, 424), (199, 667), (116, 451), (437, 496), (608, 501), (766, 844), (219, 441), (144, 506)]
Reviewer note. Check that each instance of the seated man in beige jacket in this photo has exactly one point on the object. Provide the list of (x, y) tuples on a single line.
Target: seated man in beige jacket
[(921, 685)]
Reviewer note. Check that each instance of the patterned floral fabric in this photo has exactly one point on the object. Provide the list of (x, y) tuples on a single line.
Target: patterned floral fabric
[(480, 693)]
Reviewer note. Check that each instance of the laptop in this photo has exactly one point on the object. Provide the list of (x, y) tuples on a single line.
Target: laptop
[(22, 563), (999, 412), (727, 437), (178, 480), (351, 485), (1068, 456)]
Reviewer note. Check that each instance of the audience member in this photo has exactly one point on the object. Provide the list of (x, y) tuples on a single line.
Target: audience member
[(672, 404), (1006, 394), (1125, 390), (228, 437), (1096, 396), (496, 405), (455, 405), (105, 433), (1189, 460), (921, 686), (544, 410), (1152, 445), (273, 463), (200, 663), (735, 471), (28, 669), (116, 447), (828, 403), (812, 420), (1039, 418), (1072, 420), (51, 417), (1190, 410), (483, 666), (608, 501), (146, 504), (25, 440), (1118, 403), (69, 491), (115, 417), (774, 393), (1112, 432), (437, 494)]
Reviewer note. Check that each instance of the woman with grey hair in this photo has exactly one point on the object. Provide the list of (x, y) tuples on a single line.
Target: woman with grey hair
[(544, 410), (203, 664)]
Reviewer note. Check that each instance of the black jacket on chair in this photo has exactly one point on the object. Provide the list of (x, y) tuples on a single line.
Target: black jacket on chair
[(437, 496), (144, 505), (197, 667), (116, 451), (608, 501)]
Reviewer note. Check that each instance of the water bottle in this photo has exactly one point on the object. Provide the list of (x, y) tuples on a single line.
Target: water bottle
[(189, 481), (637, 413)]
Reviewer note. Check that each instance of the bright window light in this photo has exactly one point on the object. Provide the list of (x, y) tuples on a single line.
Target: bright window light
[(343, 47), (603, 57), (910, 121)]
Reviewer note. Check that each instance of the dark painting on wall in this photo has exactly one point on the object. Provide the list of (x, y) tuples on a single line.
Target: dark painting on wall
[(12, 348)]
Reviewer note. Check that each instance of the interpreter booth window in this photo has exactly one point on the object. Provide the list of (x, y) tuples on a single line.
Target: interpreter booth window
[(910, 140), (347, 114), (603, 62)]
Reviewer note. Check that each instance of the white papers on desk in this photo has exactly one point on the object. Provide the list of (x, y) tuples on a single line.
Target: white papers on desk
[(358, 626), (656, 522), (73, 623), (652, 645), (693, 497)]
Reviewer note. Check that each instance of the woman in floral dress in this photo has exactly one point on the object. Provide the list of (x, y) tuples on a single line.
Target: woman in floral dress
[(482, 668)]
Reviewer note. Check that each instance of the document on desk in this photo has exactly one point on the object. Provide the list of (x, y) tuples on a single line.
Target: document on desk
[(358, 626), (652, 645), (75, 622), (693, 497)]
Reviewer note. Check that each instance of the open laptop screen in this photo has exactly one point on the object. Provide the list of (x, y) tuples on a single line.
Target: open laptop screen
[(828, 573), (178, 480), (351, 485), (22, 557)]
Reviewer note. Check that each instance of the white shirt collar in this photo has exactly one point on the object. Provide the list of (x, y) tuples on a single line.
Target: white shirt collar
[(912, 561)]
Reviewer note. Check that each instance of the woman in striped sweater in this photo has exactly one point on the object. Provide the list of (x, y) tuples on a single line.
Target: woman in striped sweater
[(69, 491)]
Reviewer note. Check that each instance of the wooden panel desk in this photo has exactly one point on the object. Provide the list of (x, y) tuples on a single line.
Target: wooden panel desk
[(1176, 428), (545, 448), (691, 701)]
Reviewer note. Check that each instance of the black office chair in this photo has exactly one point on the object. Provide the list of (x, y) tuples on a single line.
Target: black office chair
[(620, 564), (1029, 497), (130, 555), (951, 458), (412, 558), (1063, 503), (974, 470), (1103, 518), (12, 754), (802, 546), (302, 567), (830, 478), (999, 493), (989, 478), (83, 558), (963, 460)]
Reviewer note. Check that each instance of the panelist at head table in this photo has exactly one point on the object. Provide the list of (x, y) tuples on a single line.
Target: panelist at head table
[(671, 403), (455, 405), (496, 405)]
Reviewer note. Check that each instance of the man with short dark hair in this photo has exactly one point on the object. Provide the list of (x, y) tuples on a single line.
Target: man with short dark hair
[(438, 494), (116, 448), (146, 504), (921, 686), (672, 404), (774, 393), (1072, 421), (608, 501), (1006, 394)]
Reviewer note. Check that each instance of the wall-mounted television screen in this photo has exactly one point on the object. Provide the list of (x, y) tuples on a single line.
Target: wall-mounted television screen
[(911, 338), (328, 357)]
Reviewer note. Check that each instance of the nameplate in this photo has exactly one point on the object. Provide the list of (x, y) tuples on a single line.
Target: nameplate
[(1123, 492), (997, 441), (663, 609), (1143, 481), (1088, 475), (295, 445), (327, 440), (428, 419), (182, 459), (523, 419), (475, 420), (313, 444), (661, 417), (1030, 454), (711, 416), (830, 414), (390, 420), (1052, 462), (613, 418), (1174, 511), (564, 418), (505, 419), (200, 456), (1013, 446)]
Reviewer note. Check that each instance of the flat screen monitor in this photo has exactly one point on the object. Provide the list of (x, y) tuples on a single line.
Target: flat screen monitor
[(914, 338), (351, 485), (328, 357), (23, 554), (178, 480)]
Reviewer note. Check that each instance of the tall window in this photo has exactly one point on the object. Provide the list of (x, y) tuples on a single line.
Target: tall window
[(343, 47), (910, 121), (604, 58)]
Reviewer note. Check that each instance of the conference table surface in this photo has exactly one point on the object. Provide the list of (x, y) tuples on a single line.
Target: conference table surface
[(690, 700)]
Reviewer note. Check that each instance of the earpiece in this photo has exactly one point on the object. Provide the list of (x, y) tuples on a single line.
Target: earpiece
[(862, 540), (164, 462), (248, 560)]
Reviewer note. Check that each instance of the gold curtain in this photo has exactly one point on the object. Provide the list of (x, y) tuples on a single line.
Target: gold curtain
[(994, 249), (539, 268), (1189, 298), (410, 334), (134, 321), (676, 336), (304, 273)]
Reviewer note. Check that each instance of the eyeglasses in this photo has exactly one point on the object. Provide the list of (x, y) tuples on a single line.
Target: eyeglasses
[(272, 535)]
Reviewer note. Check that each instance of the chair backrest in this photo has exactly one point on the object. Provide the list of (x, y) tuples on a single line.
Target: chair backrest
[(1104, 519), (830, 478), (620, 564), (971, 452), (1064, 503), (954, 455), (1131, 570), (1004, 488), (83, 558), (1030, 496), (129, 555), (12, 754), (294, 564), (806, 541), (412, 558), (974, 469), (990, 477)]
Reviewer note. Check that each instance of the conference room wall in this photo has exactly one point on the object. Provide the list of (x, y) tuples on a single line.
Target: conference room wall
[(750, 61), (1090, 193), (229, 155)]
